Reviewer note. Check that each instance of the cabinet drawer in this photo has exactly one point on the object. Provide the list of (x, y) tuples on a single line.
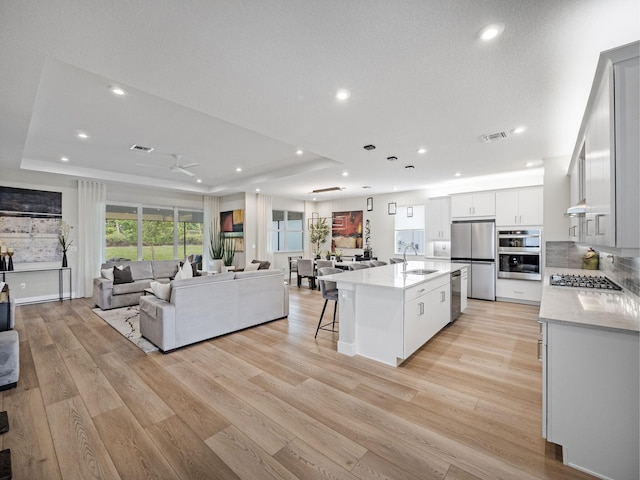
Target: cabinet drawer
[(421, 289)]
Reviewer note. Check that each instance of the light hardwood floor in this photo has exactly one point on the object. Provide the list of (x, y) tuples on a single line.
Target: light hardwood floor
[(272, 402)]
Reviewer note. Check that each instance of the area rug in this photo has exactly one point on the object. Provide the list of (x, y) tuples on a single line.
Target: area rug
[(126, 320)]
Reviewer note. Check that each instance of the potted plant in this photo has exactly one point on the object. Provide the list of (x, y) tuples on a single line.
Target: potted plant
[(229, 252), (216, 247), (63, 237), (338, 255), (328, 255), (318, 234)]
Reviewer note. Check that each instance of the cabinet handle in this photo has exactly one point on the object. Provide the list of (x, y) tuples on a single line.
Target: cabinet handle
[(540, 349), (520, 219), (588, 220), (421, 290), (515, 219), (574, 231), (598, 223), (442, 296), (421, 307)]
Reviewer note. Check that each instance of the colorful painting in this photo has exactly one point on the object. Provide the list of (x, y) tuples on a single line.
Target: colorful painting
[(346, 230), (232, 225)]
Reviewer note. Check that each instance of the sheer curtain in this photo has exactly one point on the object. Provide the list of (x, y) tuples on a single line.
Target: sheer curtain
[(264, 249), (92, 204), (211, 215)]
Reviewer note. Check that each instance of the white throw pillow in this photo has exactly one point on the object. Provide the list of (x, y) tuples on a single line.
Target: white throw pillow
[(252, 267), (107, 273), (161, 290)]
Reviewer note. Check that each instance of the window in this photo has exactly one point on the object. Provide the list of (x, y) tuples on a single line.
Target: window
[(287, 231), (139, 232), (409, 229)]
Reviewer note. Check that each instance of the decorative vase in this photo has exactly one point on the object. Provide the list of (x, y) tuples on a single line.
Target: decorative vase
[(215, 265), (64, 259)]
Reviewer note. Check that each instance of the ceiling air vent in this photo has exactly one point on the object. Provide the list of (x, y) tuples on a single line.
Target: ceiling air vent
[(140, 148), (492, 137), (330, 189)]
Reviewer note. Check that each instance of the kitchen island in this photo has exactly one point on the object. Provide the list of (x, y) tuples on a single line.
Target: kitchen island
[(590, 376), (387, 314)]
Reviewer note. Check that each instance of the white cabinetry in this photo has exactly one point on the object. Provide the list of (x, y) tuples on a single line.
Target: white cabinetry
[(590, 398), (519, 206), (608, 145), (519, 291), (427, 309), (473, 205), (464, 288), (439, 219)]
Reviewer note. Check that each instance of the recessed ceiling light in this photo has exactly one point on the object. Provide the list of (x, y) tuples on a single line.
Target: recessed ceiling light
[(395, 188), (343, 94), (528, 164), (64, 159), (457, 174), (117, 90), (82, 135), (422, 151), (344, 174), (519, 129), (491, 31), (238, 169), (314, 199), (199, 180), (299, 152), (257, 189)]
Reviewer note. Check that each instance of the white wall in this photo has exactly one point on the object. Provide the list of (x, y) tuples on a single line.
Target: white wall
[(556, 198)]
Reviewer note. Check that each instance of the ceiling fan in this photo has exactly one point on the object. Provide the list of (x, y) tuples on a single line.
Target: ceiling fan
[(177, 167)]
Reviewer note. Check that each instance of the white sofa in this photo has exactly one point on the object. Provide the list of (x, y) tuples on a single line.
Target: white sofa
[(201, 308), (106, 295)]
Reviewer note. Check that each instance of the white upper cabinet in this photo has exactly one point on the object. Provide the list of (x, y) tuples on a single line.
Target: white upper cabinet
[(608, 145), (519, 206), (439, 219), (473, 205)]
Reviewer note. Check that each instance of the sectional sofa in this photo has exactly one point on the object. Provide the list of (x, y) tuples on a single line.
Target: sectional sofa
[(200, 308)]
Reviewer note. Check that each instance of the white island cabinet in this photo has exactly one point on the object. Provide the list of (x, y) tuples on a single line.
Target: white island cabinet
[(387, 315)]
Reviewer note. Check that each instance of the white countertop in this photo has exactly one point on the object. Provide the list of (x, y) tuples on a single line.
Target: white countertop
[(391, 276), (603, 309)]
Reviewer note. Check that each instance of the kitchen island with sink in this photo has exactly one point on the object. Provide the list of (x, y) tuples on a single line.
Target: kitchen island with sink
[(389, 312)]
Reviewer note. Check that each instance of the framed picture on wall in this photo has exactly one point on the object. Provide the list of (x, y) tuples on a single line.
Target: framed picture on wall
[(391, 208), (369, 204)]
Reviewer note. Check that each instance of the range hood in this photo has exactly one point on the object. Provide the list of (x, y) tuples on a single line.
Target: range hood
[(577, 210)]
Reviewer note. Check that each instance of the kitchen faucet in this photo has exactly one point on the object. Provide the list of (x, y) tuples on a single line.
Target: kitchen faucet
[(404, 256)]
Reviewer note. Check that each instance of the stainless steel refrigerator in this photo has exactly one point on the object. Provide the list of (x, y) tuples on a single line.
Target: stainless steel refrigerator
[(475, 243)]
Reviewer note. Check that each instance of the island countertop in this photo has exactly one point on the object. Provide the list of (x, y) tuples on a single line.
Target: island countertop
[(392, 276), (601, 309)]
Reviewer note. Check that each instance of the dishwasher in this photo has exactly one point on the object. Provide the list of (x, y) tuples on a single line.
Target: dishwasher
[(456, 295)]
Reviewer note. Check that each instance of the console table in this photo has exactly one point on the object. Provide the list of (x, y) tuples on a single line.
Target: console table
[(60, 270)]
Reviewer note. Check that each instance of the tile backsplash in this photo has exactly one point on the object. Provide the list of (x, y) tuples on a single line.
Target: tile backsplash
[(622, 270)]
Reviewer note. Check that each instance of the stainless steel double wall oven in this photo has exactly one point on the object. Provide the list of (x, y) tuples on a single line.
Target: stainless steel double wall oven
[(520, 254)]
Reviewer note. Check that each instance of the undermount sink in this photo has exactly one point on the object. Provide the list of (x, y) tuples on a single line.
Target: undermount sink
[(420, 271)]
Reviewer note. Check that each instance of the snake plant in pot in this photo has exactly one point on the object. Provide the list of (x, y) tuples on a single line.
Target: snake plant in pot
[(229, 251), (216, 247)]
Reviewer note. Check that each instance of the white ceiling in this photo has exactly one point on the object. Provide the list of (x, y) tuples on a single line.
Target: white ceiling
[(247, 83)]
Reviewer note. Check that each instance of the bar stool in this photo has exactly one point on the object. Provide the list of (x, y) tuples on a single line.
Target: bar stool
[(329, 291)]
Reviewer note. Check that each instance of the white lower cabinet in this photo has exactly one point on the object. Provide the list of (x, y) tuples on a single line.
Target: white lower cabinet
[(519, 291), (590, 398), (427, 309), (464, 288)]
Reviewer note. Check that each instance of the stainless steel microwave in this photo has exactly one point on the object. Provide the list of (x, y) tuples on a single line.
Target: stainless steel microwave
[(520, 254)]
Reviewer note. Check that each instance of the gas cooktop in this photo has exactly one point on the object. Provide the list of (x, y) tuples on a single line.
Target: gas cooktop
[(583, 281)]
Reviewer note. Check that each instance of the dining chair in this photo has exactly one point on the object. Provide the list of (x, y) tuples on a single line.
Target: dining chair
[(323, 263), (358, 266), (377, 263), (305, 270), (329, 291), (293, 265)]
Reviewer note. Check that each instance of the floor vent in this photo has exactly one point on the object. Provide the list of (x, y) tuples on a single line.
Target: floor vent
[(492, 137)]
